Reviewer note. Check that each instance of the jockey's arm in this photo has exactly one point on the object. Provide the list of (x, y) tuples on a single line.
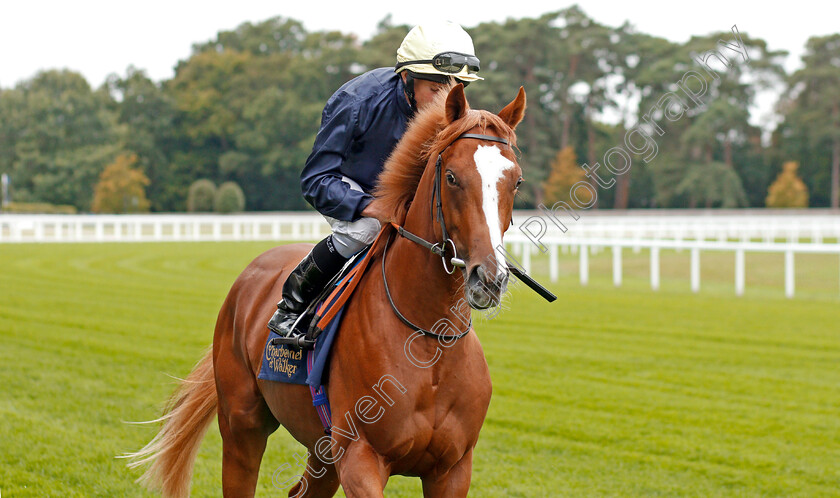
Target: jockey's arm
[(321, 176)]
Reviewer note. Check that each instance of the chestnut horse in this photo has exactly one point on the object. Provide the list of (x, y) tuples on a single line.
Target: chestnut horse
[(402, 403)]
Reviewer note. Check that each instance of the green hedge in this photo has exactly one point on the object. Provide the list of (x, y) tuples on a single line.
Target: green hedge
[(38, 208), (200, 198), (229, 198)]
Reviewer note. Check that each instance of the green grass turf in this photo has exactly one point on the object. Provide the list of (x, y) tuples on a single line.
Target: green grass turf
[(607, 392)]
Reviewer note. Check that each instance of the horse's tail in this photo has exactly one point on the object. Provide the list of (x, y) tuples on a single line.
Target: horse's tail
[(185, 420)]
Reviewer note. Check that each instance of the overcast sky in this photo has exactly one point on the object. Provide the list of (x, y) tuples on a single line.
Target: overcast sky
[(98, 37)]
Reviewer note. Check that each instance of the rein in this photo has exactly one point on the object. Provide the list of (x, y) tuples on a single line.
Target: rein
[(408, 322), (439, 248)]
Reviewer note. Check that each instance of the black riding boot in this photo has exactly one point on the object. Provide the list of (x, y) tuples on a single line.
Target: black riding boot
[(304, 283)]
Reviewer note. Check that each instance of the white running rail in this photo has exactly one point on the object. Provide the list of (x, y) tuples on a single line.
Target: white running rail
[(161, 227), (762, 225), (523, 248), (739, 232)]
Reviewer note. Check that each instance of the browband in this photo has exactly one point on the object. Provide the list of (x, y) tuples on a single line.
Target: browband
[(478, 136)]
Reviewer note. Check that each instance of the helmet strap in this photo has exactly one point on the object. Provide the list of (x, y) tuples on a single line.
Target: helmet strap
[(409, 90), (409, 84)]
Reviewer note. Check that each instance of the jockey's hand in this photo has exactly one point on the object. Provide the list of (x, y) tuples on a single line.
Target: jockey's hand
[(373, 210)]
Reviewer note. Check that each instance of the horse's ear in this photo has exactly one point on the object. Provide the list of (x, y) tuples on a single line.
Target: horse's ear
[(513, 113), (456, 103)]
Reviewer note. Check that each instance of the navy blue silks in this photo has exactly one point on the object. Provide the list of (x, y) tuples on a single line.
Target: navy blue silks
[(360, 125)]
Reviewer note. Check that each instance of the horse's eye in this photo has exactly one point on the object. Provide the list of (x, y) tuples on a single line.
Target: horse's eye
[(450, 178), (518, 183)]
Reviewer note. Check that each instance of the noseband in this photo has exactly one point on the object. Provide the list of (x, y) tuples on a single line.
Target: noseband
[(438, 248)]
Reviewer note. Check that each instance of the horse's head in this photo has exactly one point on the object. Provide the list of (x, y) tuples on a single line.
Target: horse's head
[(473, 180), (479, 178)]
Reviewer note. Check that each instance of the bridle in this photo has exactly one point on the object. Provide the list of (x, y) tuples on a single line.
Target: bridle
[(438, 248), (437, 195)]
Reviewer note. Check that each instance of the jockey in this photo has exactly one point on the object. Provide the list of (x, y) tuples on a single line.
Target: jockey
[(360, 125)]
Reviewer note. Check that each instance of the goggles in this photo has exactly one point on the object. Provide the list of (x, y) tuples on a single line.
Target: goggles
[(448, 62), (437, 78)]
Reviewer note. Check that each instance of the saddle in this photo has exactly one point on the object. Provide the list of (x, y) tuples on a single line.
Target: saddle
[(324, 308)]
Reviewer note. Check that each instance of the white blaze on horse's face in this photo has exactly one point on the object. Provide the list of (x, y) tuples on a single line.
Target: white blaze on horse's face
[(491, 165)]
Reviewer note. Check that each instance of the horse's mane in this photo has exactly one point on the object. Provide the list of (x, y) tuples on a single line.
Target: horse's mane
[(426, 136)]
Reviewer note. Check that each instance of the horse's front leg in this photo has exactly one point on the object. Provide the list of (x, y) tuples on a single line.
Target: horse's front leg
[(361, 471), (453, 483)]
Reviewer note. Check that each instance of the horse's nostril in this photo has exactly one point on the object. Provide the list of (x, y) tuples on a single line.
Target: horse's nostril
[(482, 276)]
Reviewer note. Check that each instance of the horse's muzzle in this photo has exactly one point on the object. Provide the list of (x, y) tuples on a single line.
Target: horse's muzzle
[(485, 287)]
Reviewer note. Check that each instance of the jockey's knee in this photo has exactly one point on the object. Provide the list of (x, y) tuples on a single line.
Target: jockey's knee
[(352, 237)]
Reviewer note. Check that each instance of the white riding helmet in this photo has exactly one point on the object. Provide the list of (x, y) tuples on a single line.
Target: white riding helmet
[(439, 48)]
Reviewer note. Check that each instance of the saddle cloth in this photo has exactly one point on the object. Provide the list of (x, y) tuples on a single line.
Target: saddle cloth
[(284, 363)]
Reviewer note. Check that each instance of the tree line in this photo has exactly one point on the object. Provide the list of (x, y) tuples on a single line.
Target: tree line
[(244, 109)]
